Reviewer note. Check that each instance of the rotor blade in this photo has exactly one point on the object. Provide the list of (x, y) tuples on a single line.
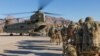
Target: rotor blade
[(43, 3), (51, 13), (23, 17), (18, 13)]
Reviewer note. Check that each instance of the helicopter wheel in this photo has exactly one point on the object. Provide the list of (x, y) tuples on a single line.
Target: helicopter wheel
[(20, 34), (11, 34)]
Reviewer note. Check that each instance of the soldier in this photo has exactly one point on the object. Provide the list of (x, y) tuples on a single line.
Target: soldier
[(87, 33), (51, 34), (90, 39), (58, 35), (70, 48), (71, 32), (95, 36), (64, 32), (64, 37), (79, 34)]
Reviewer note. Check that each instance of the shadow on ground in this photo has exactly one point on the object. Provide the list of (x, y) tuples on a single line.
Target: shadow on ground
[(37, 45), (7, 55), (28, 47), (14, 35), (28, 52)]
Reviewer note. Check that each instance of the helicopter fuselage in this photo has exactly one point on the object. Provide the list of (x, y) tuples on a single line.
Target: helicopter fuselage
[(36, 23)]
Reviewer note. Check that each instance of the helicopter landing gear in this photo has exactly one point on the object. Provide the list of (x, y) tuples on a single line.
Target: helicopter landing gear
[(21, 34), (29, 34), (11, 34)]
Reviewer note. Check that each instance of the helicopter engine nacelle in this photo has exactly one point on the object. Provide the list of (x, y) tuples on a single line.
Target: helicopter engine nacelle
[(38, 19)]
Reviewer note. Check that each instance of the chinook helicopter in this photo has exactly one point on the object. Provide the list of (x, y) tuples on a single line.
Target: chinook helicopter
[(36, 23)]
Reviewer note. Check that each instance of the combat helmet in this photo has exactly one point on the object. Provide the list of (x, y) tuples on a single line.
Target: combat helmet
[(80, 21), (72, 23), (88, 19)]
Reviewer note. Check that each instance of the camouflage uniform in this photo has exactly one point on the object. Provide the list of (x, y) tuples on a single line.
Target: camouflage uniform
[(90, 41), (86, 35), (79, 35), (58, 35), (51, 34), (71, 33), (64, 37), (70, 49)]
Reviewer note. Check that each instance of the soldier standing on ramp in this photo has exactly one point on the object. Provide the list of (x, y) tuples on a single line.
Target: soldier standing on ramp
[(79, 35), (70, 48), (90, 38), (87, 36), (64, 37), (58, 35), (51, 34)]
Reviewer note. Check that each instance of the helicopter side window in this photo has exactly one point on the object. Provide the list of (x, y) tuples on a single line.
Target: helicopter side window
[(6, 27), (28, 23)]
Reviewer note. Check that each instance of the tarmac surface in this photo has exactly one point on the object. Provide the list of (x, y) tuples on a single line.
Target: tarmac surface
[(28, 46)]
